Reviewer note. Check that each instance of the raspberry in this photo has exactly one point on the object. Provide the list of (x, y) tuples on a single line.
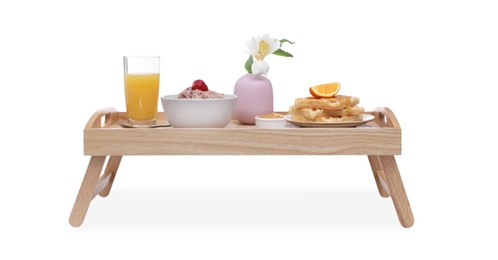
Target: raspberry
[(200, 85)]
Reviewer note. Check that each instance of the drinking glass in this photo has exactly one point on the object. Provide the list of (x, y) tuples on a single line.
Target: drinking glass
[(141, 78)]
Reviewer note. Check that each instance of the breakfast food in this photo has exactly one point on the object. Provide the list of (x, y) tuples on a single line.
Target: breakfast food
[(327, 90), (311, 113), (327, 119), (199, 90), (271, 120), (200, 85), (338, 108), (335, 103), (272, 115)]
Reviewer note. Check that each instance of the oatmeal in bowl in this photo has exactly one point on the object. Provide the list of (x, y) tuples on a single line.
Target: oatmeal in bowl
[(199, 107)]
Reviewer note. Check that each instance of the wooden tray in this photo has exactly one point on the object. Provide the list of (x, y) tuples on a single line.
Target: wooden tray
[(104, 138), (103, 135)]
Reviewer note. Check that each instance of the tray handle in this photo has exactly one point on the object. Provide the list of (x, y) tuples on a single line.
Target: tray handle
[(109, 114), (386, 117)]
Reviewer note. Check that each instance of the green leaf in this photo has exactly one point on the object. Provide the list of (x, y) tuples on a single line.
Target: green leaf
[(283, 53), (248, 64), (285, 40)]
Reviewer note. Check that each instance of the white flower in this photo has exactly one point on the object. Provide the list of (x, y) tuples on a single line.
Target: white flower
[(260, 67), (260, 47)]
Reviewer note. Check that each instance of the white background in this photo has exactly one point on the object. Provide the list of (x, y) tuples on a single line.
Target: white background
[(434, 63)]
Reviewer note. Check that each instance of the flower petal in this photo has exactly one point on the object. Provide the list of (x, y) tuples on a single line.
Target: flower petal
[(262, 46), (274, 45), (260, 67), (253, 45)]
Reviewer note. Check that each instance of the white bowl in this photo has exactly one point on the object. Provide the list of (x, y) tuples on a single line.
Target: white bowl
[(198, 113), (271, 122)]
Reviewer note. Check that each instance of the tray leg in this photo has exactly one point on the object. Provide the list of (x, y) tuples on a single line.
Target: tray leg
[(110, 172), (397, 190), (87, 190), (379, 176)]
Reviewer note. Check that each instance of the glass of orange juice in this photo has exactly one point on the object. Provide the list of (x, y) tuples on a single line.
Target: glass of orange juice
[(141, 78)]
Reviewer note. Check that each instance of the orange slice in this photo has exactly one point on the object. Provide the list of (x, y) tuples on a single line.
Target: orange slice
[(327, 90)]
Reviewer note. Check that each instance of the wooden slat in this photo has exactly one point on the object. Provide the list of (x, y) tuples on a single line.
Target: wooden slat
[(104, 181), (110, 170), (380, 178), (250, 141), (397, 189), (87, 189), (383, 182)]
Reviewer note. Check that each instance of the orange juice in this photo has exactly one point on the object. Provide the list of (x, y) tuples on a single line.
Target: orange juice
[(141, 91)]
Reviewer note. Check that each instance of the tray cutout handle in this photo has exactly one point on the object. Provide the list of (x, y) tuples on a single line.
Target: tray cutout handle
[(386, 117), (103, 118)]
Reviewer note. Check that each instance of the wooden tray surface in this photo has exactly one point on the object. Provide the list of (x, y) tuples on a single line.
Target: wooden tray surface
[(103, 135)]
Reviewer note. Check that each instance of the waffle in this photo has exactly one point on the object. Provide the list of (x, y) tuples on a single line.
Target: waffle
[(335, 103), (327, 110), (311, 113)]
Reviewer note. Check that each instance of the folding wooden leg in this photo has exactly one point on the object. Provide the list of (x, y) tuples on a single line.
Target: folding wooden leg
[(109, 173), (397, 190), (87, 190), (379, 176)]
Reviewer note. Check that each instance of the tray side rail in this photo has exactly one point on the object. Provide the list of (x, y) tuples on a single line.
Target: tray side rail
[(109, 114)]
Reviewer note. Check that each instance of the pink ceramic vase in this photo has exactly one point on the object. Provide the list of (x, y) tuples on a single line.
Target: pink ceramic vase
[(254, 97)]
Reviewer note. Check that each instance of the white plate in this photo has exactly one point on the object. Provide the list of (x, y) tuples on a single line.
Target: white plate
[(365, 118)]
